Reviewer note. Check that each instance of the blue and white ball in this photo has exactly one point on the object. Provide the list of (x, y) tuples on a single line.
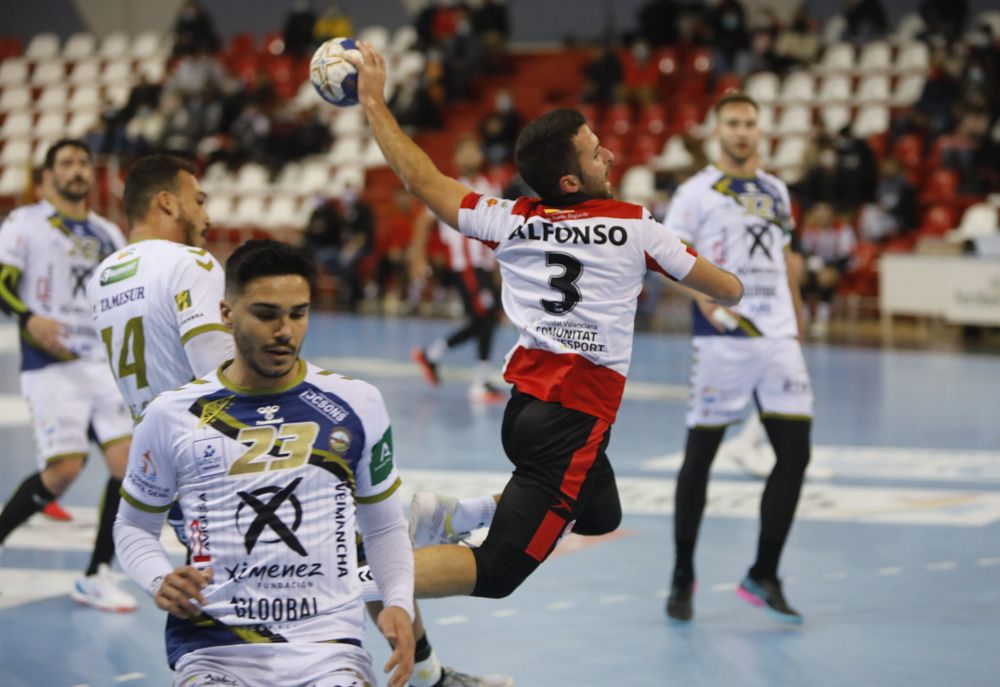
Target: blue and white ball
[(333, 77)]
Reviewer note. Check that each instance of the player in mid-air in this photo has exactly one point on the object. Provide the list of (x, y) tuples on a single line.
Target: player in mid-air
[(159, 298), (279, 463), (48, 251), (471, 267), (740, 218), (572, 263)]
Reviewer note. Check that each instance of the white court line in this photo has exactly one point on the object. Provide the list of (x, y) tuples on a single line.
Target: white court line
[(504, 613), (614, 599), (130, 677), (889, 571), (985, 562), (835, 576), (453, 620), (723, 587), (942, 566), (559, 605)]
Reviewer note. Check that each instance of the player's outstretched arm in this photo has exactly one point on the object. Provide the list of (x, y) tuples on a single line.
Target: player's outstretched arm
[(442, 194), (724, 288)]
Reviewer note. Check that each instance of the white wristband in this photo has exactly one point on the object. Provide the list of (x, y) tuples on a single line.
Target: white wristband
[(724, 318)]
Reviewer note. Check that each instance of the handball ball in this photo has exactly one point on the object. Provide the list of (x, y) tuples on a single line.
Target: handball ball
[(333, 77)]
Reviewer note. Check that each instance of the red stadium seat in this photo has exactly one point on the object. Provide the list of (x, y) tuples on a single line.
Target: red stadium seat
[(938, 220), (667, 60), (653, 120), (242, 42), (10, 46), (727, 82), (617, 120), (941, 187)]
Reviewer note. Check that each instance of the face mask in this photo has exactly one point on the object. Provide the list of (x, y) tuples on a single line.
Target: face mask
[(504, 103)]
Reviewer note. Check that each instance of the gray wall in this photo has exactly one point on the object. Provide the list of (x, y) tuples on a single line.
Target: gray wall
[(533, 21)]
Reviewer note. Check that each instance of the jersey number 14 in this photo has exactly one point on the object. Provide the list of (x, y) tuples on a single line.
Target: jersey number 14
[(132, 357)]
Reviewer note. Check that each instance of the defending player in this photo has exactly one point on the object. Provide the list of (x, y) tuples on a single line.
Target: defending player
[(471, 268), (572, 264), (739, 217), (280, 462), (48, 251)]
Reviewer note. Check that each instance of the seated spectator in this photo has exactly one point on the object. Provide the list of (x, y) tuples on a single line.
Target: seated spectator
[(894, 210), (730, 37), (194, 73), (866, 20), (936, 105), (828, 248), (640, 74), (499, 129), (798, 44), (339, 235), (299, 27), (194, 31), (971, 152), (602, 76), (492, 25), (855, 172), (392, 272)]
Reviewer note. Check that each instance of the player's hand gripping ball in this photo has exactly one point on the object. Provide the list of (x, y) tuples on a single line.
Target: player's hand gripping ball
[(333, 77)]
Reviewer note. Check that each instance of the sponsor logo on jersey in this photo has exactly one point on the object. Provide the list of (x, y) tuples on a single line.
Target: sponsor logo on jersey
[(321, 403), (116, 273), (208, 456), (269, 413), (273, 508), (198, 540), (340, 440), (381, 462), (212, 409), (183, 300), (148, 466)]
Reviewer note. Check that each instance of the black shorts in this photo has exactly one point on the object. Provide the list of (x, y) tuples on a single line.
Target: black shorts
[(562, 477)]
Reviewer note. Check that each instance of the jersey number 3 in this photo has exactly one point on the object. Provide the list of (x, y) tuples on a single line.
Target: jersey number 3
[(564, 283), (132, 357)]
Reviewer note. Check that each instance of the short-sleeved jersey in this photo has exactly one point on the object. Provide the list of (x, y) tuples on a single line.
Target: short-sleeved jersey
[(55, 256), (571, 279), (464, 253), (148, 300), (268, 483), (742, 225)]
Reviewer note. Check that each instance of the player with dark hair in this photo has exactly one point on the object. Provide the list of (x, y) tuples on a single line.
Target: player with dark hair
[(48, 251)]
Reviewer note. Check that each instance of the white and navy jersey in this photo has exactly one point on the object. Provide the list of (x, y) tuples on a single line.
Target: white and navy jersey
[(50, 257), (742, 225), (464, 253), (268, 483), (148, 300), (571, 279)]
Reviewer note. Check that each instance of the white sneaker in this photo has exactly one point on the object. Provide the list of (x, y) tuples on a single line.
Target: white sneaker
[(453, 678), (102, 592), (430, 520)]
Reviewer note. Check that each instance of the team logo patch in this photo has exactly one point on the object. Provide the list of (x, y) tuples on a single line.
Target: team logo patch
[(340, 440), (269, 412), (183, 300), (121, 272), (208, 456), (381, 462), (148, 466), (276, 509)]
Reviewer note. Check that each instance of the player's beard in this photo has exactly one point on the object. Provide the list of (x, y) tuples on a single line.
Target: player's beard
[(250, 352), (71, 195), (188, 229), (734, 156), (598, 187)]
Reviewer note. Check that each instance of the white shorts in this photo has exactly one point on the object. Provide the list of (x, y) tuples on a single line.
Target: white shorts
[(69, 403), (276, 665), (727, 372)]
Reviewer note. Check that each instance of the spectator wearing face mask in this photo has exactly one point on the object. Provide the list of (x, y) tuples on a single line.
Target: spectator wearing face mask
[(894, 209), (729, 29), (499, 129), (641, 74)]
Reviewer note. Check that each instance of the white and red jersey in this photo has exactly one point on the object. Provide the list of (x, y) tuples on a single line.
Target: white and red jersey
[(464, 253), (571, 279)]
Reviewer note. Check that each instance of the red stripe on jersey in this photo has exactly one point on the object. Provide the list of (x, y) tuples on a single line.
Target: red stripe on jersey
[(595, 207), (545, 536), (691, 250), (492, 245), (524, 206), (568, 379), (651, 264), (470, 201), (583, 458)]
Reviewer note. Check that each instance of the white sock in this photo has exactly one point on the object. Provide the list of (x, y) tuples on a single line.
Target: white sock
[(473, 513), (426, 673), (436, 350)]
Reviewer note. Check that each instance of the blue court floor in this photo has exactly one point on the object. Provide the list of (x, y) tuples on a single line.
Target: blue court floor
[(894, 560)]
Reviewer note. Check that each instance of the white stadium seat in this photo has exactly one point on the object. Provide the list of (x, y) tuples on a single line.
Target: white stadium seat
[(118, 72), (249, 210), (372, 155), (51, 126), (913, 57), (44, 46), (411, 64), (835, 89), (219, 208), (315, 176), (117, 94), (795, 120), (146, 44), (798, 87), (345, 150), (85, 72), (352, 176), (79, 46), (49, 73), (85, 98), (283, 212), (909, 27), (13, 72), (15, 98), (154, 69), (218, 179), (838, 57), (82, 122), (875, 57), (908, 89), (289, 178), (835, 117), (674, 156), (789, 158), (16, 125), (871, 120), (638, 185), (13, 180), (763, 87), (115, 45), (712, 149), (404, 39), (253, 178), (834, 29), (873, 89), (52, 98), (377, 36), (16, 152), (765, 119), (40, 148), (979, 219), (349, 121)]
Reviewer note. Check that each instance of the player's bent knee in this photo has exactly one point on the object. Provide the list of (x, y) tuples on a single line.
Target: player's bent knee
[(61, 472), (499, 573)]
